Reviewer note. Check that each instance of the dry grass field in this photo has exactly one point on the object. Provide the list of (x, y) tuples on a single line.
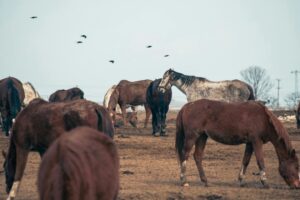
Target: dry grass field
[(149, 169)]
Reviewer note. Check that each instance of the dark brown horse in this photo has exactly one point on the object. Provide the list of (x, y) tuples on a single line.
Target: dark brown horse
[(66, 95), (11, 98), (40, 123), (234, 123), (130, 93), (159, 105), (81, 164), (298, 116)]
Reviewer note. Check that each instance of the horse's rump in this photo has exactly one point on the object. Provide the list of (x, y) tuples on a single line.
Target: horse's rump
[(90, 169), (11, 98), (67, 95)]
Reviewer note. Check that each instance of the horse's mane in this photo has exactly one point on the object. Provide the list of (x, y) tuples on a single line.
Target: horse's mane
[(279, 128), (33, 88), (186, 79)]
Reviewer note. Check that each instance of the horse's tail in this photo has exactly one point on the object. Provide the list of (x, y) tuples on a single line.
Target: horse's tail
[(10, 165), (251, 96), (14, 100), (105, 125), (180, 137)]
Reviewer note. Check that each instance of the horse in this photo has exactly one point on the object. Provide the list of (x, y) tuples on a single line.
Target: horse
[(201, 88), (130, 116), (40, 123), (297, 116), (30, 93), (90, 167), (159, 104), (67, 95), (130, 93), (233, 124), (11, 98)]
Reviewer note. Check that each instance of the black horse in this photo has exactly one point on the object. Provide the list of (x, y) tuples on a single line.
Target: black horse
[(11, 98), (159, 105)]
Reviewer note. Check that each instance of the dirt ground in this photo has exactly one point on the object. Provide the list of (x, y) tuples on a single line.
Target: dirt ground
[(149, 169)]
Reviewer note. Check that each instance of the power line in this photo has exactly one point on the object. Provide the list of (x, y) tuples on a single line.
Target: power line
[(278, 88), (296, 81)]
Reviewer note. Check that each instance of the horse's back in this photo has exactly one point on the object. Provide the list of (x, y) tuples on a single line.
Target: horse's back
[(90, 169), (66, 95), (229, 123), (42, 122)]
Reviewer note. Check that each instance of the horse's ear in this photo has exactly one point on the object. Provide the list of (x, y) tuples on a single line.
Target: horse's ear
[(293, 153), (4, 154)]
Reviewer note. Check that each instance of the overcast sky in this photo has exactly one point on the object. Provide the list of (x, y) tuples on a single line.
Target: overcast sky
[(215, 39)]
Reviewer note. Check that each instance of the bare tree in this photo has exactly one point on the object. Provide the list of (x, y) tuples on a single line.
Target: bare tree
[(259, 80), (292, 100)]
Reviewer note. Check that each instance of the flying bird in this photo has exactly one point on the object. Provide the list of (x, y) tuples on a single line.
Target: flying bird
[(167, 55), (79, 42), (149, 46), (33, 17), (112, 61), (84, 36)]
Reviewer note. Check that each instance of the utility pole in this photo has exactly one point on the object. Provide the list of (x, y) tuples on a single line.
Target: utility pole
[(278, 88), (296, 81)]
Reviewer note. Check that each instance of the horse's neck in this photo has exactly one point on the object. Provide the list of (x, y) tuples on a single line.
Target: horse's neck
[(282, 147), (181, 86)]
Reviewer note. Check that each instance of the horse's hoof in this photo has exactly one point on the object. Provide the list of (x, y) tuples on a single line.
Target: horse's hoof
[(154, 135), (185, 185), (265, 184)]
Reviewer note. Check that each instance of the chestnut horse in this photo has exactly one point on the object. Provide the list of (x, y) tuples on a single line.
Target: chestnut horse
[(40, 123), (82, 164), (234, 123), (66, 95), (11, 99), (129, 93), (159, 104)]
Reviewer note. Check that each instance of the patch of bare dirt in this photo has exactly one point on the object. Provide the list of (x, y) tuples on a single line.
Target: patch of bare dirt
[(149, 169)]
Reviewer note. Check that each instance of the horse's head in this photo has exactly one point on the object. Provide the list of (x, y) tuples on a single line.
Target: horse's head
[(132, 118), (166, 81), (289, 170)]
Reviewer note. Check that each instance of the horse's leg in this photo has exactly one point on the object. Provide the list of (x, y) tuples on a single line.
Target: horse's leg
[(198, 156), (188, 145), (22, 155), (123, 109), (258, 150), (163, 120), (148, 113), (154, 121), (246, 160)]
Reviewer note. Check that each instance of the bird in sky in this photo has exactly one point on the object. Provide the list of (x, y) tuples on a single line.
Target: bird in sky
[(112, 61), (149, 46), (84, 36), (33, 17), (166, 55), (79, 42)]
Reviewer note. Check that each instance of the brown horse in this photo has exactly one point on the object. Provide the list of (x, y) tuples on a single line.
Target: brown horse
[(234, 123), (159, 104), (66, 95), (40, 123), (90, 167), (11, 98), (129, 93)]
